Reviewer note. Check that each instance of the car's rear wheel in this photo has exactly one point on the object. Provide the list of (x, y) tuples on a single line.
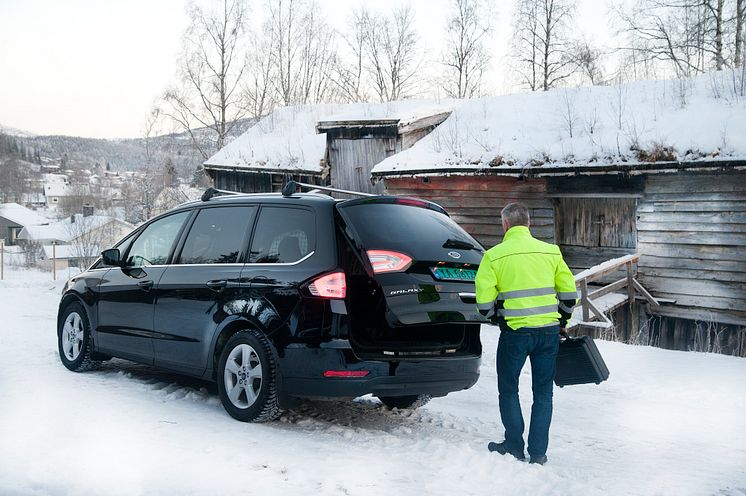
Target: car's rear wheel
[(74, 339), (405, 402), (247, 378)]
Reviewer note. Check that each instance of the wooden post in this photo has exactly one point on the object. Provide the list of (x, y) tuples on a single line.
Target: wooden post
[(584, 300), (632, 326), (2, 259), (54, 260)]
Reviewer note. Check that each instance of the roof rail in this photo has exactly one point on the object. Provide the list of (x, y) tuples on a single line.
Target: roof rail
[(211, 192), (292, 186)]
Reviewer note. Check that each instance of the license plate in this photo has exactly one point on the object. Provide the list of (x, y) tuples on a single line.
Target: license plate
[(451, 274)]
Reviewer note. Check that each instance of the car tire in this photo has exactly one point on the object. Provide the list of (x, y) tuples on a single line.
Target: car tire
[(247, 378), (405, 402), (74, 341)]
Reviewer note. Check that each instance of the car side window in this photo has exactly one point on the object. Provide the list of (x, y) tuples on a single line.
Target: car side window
[(217, 235), (283, 235), (153, 245)]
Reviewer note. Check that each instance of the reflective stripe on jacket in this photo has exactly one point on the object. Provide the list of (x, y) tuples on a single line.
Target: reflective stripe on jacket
[(526, 282)]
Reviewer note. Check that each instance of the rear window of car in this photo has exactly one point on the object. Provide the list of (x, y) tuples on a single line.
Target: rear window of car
[(412, 230), (283, 235)]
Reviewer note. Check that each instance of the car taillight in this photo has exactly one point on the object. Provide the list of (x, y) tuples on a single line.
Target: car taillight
[(411, 202), (346, 373), (388, 261), (329, 286)]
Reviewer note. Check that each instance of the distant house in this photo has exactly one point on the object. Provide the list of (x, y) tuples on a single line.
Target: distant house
[(14, 218), (321, 144), (80, 237)]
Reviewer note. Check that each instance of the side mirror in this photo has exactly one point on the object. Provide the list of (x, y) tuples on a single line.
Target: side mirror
[(112, 257)]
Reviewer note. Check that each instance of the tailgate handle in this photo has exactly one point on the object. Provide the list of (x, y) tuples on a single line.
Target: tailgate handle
[(468, 297)]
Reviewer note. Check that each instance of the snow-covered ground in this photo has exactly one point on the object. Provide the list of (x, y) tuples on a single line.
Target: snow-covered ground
[(665, 423)]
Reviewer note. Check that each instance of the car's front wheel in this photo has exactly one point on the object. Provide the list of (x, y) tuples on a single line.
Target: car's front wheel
[(247, 378), (74, 339), (402, 402)]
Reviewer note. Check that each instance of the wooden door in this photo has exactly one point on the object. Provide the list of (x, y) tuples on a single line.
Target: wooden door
[(591, 230)]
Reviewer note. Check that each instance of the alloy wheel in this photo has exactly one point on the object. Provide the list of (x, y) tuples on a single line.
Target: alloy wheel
[(72, 336), (243, 376)]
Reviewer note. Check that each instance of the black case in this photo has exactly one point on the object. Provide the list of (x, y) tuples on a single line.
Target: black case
[(579, 362)]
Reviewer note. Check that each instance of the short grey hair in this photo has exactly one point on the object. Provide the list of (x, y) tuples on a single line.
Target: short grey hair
[(515, 214)]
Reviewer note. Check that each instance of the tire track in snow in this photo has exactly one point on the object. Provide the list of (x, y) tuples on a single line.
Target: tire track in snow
[(364, 418)]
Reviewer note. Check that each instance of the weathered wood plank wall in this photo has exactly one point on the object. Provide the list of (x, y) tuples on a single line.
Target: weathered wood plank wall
[(692, 236), (475, 202), (351, 161), (256, 182), (241, 181)]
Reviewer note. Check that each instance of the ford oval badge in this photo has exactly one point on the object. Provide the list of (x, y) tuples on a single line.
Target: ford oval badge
[(454, 254)]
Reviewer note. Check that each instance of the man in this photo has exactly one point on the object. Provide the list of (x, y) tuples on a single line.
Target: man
[(525, 287)]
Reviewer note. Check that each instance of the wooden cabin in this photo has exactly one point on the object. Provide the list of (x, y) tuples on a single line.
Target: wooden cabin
[(686, 220), (279, 147), (327, 144), (355, 146)]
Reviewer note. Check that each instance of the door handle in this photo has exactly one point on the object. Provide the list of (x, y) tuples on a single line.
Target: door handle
[(468, 297), (217, 285), (146, 285)]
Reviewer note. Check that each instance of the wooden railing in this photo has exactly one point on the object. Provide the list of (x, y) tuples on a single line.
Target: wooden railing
[(590, 310)]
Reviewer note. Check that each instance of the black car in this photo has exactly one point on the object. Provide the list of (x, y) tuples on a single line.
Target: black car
[(277, 297)]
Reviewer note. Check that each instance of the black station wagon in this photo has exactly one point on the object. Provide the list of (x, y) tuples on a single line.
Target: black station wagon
[(278, 297)]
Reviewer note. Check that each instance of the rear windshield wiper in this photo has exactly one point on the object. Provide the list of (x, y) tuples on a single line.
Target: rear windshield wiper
[(458, 243)]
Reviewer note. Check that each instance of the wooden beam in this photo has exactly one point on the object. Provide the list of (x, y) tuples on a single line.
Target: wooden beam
[(584, 299), (669, 301), (699, 315), (599, 314), (608, 267), (644, 292), (614, 286), (429, 121), (594, 195)]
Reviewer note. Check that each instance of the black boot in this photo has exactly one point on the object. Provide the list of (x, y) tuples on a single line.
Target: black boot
[(540, 460), (504, 450)]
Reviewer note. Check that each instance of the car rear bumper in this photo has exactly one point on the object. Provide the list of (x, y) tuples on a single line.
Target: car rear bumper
[(303, 370)]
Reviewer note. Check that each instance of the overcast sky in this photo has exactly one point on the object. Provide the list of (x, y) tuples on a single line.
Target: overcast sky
[(94, 68)]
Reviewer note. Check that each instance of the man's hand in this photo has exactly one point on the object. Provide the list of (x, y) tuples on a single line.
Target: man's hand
[(563, 332)]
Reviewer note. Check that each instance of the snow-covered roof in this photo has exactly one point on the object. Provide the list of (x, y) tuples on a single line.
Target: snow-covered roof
[(65, 230), (21, 215), (286, 140), (689, 120), (400, 113), (56, 189)]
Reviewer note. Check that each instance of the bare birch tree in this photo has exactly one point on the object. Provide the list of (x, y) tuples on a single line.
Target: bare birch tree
[(541, 42), (392, 52), (213, 65), (303, 52), (689, 36), (587, 61), (257, 86), (740, 16), (350, 68), (465, 56)]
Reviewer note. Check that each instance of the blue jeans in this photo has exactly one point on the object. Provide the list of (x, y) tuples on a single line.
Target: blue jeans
[(540, 345)]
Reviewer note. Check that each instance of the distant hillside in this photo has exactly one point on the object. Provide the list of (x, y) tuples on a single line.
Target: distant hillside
[(11, 131), (120, 154)]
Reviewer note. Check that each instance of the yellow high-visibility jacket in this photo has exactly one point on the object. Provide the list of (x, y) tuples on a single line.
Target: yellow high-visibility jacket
[(526, 282)]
